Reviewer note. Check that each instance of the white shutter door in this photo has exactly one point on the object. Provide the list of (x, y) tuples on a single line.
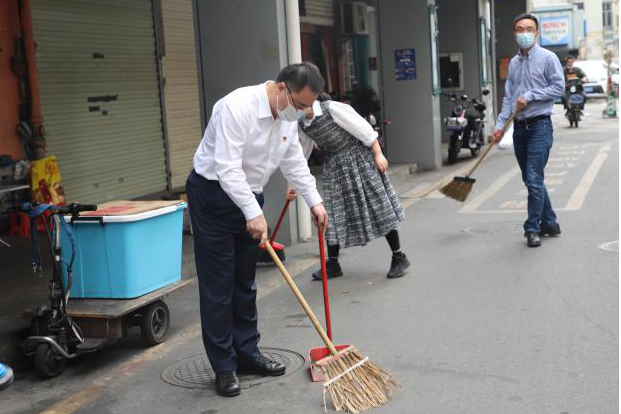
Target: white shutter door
[(181, 89), (100, 96)]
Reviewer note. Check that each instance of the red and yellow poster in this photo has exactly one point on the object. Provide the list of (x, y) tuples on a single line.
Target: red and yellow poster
[(46, 183)]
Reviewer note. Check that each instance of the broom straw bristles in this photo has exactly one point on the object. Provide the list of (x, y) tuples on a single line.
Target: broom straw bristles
[(458, 189), (355, 384)]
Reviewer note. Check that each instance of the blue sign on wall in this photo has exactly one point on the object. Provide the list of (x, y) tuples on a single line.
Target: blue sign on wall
[(405, 64)]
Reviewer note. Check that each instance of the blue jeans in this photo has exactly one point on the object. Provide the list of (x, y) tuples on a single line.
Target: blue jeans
[(532, 146)]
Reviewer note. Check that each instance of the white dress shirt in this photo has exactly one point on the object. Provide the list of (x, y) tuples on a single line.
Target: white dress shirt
[(347, 118), (243, 145)]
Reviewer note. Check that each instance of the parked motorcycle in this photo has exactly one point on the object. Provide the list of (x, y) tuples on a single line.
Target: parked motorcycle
[(466, 124), (574, 97)]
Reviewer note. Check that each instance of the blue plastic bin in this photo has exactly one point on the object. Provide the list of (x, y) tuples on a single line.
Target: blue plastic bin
[(127, 256)]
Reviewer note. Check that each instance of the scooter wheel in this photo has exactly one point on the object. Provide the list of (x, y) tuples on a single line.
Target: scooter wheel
[(47, 363), (155, 322)]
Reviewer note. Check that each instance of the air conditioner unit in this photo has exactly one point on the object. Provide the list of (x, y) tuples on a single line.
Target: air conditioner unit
[(354, 18)]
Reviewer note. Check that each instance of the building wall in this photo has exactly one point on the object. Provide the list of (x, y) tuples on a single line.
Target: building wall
[(9, 104), (414, 134), (597, 39), (595, 32), (458, 23), (506, 47)]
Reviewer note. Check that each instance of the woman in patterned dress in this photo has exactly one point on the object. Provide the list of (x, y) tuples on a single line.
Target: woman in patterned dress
[(361, 203)]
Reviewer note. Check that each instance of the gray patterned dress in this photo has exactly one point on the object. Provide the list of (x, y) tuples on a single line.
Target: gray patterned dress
[(361, 202)]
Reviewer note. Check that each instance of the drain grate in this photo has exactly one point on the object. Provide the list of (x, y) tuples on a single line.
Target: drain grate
[(196, 372), (495, 227), (612, 246)]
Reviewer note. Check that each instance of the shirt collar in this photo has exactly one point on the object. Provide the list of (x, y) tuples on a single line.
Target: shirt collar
[(530, 52), (264, 103)]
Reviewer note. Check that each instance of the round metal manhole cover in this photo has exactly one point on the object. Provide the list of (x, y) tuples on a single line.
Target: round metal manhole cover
[(612, 246), (196, 372), (497, 227)]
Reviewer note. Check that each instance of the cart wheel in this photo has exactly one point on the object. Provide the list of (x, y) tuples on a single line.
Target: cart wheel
[(47, 363), (155, 322)]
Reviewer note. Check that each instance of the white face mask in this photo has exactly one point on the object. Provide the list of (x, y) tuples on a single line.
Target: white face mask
[(289, 114)]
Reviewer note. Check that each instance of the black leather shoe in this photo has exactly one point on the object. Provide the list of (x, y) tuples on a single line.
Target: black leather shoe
[(532, 239), (398, 265), (552, 231), (261, 365), (333, 269), (227, 384)]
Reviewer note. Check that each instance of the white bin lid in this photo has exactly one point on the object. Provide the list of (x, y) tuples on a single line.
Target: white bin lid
[(123, 211)]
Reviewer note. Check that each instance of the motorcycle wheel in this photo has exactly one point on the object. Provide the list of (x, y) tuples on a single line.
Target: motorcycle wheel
[(453, 150), (475, 151)]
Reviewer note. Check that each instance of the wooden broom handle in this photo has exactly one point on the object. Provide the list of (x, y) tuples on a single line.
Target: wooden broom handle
[(489, 147), (301, 299)]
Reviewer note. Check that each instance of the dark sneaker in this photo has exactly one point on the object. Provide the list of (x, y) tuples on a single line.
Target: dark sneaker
[(333, 269), (398, 265), (552, 231), (532, 239)]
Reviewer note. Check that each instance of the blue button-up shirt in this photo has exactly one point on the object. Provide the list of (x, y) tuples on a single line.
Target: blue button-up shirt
[(539, 78)]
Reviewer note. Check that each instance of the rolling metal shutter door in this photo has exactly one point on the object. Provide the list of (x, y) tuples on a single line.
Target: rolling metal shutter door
[(319, 12), (100, 96), (183, 118)]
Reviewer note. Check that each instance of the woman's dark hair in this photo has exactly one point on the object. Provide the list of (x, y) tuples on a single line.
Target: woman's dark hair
[(300, 75), (526, 16), (322, 97)]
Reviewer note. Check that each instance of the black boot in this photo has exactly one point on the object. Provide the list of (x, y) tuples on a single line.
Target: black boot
[(261, 365), (398, 265), (227, 384), (333, 269), (532, 239), (552, 231)]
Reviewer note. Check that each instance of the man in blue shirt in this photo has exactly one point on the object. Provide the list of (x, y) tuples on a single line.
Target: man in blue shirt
[(534, 82)]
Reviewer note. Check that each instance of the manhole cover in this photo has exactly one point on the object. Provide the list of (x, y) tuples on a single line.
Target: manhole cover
[(612, 246), (498, 227), (196, 372)]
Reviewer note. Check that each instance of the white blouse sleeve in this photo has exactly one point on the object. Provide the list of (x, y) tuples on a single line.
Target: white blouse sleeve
[(348, 119), (307, 144)]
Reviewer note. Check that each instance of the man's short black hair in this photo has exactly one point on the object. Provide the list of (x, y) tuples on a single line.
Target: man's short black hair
[(300, 75), (570, 57), (526, 16)]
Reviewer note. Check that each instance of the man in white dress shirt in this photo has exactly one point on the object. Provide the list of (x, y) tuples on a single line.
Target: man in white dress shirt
[(252, 131)]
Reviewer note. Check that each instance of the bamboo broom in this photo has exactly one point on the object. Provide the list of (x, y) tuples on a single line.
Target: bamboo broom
[(460, 187), (354, 383)]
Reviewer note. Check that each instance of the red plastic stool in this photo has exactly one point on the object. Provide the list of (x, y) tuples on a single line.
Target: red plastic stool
[(20, 224)]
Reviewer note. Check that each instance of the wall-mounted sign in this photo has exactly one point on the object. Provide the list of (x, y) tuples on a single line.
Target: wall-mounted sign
[(554, 30), (405, 64)]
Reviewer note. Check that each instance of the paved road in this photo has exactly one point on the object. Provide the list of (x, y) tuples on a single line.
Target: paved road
[(481, 324)]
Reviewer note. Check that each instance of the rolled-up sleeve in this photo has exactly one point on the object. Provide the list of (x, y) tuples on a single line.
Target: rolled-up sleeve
[(295, 169), (232, 126), (348, 119)]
